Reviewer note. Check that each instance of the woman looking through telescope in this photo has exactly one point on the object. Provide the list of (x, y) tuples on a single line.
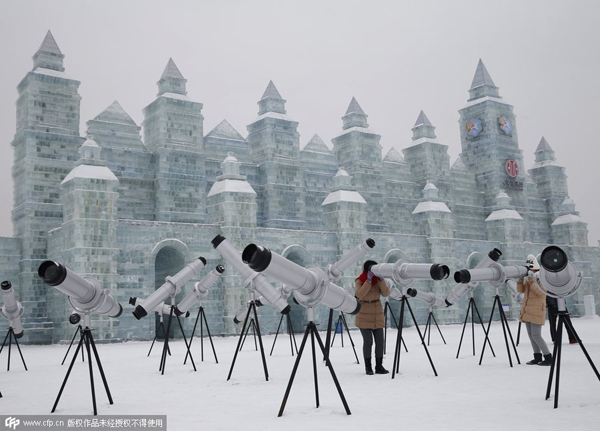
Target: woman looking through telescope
[(370, 317), (533, 313)]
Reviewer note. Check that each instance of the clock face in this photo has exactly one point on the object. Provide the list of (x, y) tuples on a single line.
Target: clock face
[(473, 127), (505, 125)]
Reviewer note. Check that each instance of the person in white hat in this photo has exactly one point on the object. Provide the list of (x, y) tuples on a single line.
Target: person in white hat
[(533, 313)]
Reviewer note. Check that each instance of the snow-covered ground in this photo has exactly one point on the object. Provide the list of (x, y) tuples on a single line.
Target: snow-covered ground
[(465, 395)]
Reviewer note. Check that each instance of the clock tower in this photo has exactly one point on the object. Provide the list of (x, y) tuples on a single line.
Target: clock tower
[(490, 146)]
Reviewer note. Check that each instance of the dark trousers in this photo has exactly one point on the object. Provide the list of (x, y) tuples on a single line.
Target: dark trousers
[(368, 335), (552, 313)]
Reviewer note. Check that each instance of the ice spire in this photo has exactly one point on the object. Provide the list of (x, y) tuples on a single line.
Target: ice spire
[(355, 116), (49, 55), (482, 84), (271, 101), (171, 80)]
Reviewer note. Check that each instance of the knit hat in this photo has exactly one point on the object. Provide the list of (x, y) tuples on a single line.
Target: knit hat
[(532, 263)]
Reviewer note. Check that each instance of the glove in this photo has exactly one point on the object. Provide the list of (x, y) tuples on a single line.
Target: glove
[(530, 273), (369, 276)]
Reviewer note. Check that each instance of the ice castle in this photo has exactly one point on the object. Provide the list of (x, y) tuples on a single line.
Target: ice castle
[(130, 210)]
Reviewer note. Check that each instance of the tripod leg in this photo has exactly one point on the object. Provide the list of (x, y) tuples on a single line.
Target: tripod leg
[(385, 325), (276, 334), (187, 346), (335, 332), (314, 358), (68, 373), (463, 331), (209, 337), (194, 332), (201, 340), (428, 329), (342, 330), (333, 376), (4, 342), (503, 317), (420, 336), (483, 327), (99, 363), (350, 337), (398, 348), (293, 375), (397, 322), (151, 346), (438, 328), (72, 339), (328, 337), (262, 350), (291, 332), (238, 347), (556, 359), (504, 327), (163, 362), (250, 323), (569, 326), (487, 332), (19, 349), (519, 333), (89, 355), (254, 333), (10, 336)]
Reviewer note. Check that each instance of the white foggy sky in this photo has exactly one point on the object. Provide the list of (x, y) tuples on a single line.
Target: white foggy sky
[(395, 57)]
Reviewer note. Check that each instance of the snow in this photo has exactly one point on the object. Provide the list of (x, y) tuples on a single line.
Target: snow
[(568, 218), (484, 99), (234, 186), (89, 171), (503, 215), (51, 72), (343, 196), (465, 396), (357, 129), (276, 115), (544, 163), (175, 96), (431, 206)]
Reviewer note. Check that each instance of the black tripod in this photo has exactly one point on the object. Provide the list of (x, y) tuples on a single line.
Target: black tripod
[(78, 331), (430, 319), (202, 317), (290, 330), (385, 313), (311, 329), (563, 321), (254, 323), (341, 323), (160, 327), (10, 335), (472, 309), (505, 329), (251, 325), (163, 359), (86, 337), (396, 366)]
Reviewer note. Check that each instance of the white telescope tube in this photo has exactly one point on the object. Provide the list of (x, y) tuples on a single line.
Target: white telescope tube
[(403, 272), (12, 310), (200, 290), (428, 298), (335, 271)]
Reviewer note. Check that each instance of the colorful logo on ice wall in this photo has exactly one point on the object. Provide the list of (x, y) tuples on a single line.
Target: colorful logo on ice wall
[(505, 125), (473, 127), (512, 168)]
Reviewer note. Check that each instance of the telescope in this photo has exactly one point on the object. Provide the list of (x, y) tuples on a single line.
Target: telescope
[(311, 285), (200, 291), (85, 293), (428, 298), (334, 272), (252, 278), (463, 287), (171, 287), (161, 308), (558, 277), (495, 273), (404, 272), (12, 310)]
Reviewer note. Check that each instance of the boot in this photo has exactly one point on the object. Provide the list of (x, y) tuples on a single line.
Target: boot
[(379, 366), (537, 359), (368, 367), (547, 360)]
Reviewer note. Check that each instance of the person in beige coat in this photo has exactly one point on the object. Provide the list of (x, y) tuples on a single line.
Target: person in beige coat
[(533, 313), (370, 317)]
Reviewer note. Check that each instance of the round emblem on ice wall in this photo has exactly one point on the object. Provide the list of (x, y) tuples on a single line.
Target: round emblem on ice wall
[(505, 125), (512, 168), (473, 127)]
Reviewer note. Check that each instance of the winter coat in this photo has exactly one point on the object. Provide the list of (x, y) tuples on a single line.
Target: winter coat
[(533, 308), (370, 315)]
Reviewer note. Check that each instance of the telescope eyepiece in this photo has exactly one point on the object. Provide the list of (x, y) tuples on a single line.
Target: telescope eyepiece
[(139, 312), (52, 273), (439, 272), (132, 300), (258, 258), (370, 242), (6, 285), (495, 254), (217, 240), (462, 276), (411, 292), (74, 319), (220, 269), (554, 259)]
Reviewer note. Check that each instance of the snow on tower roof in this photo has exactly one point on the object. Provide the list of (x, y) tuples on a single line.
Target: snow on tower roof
[(316, 145), (271, 91), (354, 108), (423, 120), (49, 44), (430, 206), (171, 70), (482, 76), (503, 215), (393, 156), (344, 196), (89, 171), (225, 130), (543, 146), (567, 219), (115, 114)]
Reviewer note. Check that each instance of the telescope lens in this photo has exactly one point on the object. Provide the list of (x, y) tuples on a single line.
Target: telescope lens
[(52, 273), (370, 242), (6, 285), (74, 319), (554, 259), (462, 276), (439, 272), (258, 258), (495, 254)]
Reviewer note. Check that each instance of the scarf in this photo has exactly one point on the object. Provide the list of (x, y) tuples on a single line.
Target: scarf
[(363, 278)]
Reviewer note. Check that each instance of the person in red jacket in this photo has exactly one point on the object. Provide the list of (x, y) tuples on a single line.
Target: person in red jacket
[(370, 317), (533, 313)]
